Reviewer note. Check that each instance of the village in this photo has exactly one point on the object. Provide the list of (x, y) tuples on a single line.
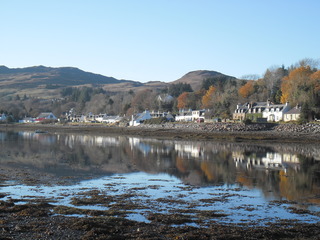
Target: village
[(259, 112)]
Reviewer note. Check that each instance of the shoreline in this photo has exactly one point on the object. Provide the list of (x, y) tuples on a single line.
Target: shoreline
[(308, 133)]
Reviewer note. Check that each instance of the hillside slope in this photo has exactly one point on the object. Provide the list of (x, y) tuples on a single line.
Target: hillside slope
[(195, 78), (47, 82), (33, 77)]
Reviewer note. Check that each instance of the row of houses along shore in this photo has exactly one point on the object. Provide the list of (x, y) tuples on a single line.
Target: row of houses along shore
[(254, 111)]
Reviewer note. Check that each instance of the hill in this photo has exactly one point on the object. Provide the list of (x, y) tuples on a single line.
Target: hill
[(32, 77), (47, 82), (195, 78)]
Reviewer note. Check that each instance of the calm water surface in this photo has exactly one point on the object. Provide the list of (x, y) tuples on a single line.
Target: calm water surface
[(247, 183)]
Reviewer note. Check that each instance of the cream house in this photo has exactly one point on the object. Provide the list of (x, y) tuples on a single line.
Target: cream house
[(293, 114)]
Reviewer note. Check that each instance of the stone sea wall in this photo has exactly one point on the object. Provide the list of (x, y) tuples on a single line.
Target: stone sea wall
[(238, 127)]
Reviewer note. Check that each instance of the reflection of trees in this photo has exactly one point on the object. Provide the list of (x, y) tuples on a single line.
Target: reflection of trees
[(280, 174), (290, 183), (293, 172), (64, 152)]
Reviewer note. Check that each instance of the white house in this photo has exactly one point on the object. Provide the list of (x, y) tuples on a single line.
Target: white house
[(111, 119), (190, 115), (158, 114), (27, 120), (100, 117), (45, 116), (3, 117), (165, 98), (140, 118), (275, 112), (198, 114), (184, 115)]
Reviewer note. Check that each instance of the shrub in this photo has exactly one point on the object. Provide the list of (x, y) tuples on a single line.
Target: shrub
[(159, 120)]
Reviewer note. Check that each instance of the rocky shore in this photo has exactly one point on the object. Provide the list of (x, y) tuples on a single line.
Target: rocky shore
[(36, 221)]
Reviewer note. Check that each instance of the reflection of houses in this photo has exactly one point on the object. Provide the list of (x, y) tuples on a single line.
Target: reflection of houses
[(270, 160), (293, 114), (147, 147), (86, 140), (261, 111), (46, 139), (137, 143), (189, 150)]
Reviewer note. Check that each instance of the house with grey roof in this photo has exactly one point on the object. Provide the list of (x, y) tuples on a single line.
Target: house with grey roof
[(3, 117), (293, 114), (45, 116), (275, 112), (140, 118), (261, 111), (252, 111)]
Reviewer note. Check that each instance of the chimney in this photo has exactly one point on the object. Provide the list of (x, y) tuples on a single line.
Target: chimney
[(268, 102)]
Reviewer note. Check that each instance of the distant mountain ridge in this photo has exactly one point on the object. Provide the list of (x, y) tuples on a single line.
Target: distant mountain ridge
[(40, 75), (37, 80)]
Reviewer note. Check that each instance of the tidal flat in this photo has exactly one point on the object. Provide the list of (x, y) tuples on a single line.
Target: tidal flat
[(75, 185)]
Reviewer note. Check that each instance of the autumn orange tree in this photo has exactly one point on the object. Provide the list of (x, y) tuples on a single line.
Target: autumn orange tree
[(208, 96), (302, 87), (182, 100), (315, 80), (246, 90), (297, 86), (189, 100)]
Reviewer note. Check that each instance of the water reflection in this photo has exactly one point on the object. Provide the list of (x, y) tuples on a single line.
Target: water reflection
[(286, 171)]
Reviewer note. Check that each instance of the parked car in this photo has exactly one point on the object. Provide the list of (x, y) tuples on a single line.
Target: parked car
[(199, 120)]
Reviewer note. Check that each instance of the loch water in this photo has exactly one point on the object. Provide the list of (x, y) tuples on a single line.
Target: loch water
[(254, 183)]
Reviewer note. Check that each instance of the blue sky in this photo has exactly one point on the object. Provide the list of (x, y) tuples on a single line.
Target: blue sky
[(159, 40)]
